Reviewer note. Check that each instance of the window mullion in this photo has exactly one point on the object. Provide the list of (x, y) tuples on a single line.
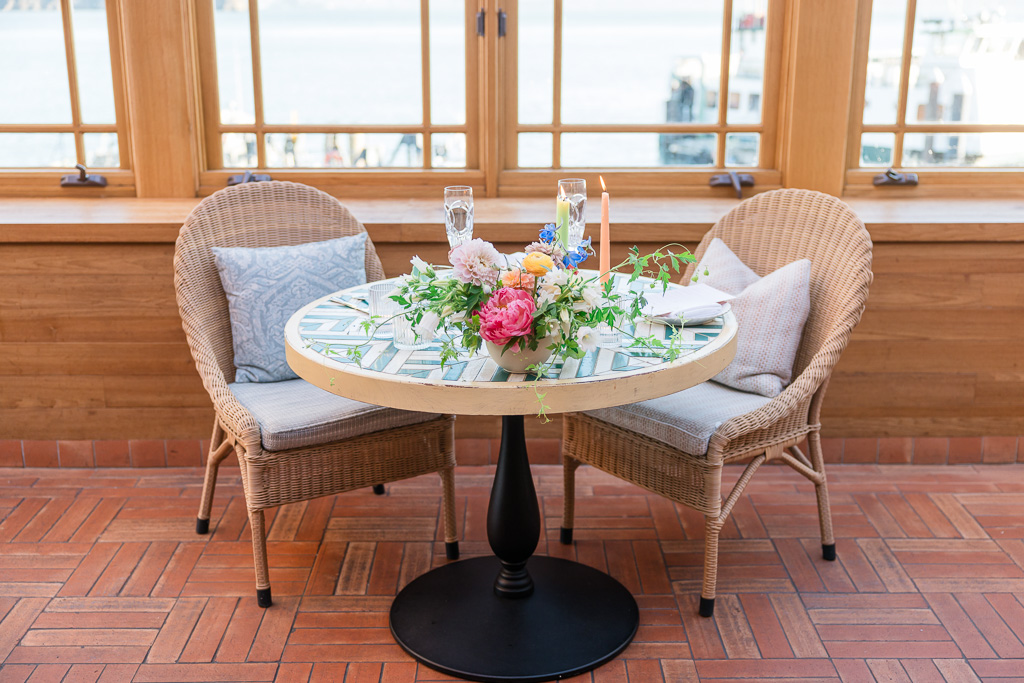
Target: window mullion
[(425, 78), (862, 43), (69, 52), (556, 95), (723, 83), (901, 107), (509, 88), (124, 150), (257, 83)]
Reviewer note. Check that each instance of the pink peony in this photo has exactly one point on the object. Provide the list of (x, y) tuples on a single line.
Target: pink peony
[(507, 314), (476, 262)]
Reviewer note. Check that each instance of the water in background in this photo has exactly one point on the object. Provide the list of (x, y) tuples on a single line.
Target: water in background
[(34, 87), (353, 62)]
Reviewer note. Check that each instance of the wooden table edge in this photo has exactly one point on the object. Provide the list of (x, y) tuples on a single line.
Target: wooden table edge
[(506, 398)]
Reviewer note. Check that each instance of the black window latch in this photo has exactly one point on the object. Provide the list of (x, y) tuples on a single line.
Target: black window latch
[(737, 180), (893, 177), (83, 178), (247, 177)]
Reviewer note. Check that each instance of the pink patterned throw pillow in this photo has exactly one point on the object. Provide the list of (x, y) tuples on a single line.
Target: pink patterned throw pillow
[(771, 312)]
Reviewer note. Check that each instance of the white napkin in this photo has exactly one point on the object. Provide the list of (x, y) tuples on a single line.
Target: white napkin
[(691, 302)]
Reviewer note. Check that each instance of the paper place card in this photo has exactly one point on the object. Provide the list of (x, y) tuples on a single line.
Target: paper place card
[(685, 299)]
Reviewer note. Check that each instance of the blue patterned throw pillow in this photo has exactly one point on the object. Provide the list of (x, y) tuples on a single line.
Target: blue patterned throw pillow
[(265, 286)]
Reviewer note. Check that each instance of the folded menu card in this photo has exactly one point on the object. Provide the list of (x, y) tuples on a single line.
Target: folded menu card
[(683, 300)]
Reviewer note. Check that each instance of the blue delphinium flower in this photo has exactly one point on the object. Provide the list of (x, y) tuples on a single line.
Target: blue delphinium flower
[(575, 258), (547, 233)]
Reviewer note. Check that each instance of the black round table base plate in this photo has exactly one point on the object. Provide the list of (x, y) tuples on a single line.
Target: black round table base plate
[(576, 619)]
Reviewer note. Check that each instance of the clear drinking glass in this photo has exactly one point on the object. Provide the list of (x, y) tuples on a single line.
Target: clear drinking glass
[(405, 337), (458, 214), (381, 305), (575, 190), (608, 337)]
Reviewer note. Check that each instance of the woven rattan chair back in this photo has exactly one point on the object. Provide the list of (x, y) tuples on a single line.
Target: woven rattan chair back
[(774, 228), (262, 214)]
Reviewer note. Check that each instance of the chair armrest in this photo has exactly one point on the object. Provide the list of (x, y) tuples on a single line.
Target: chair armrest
[(233, 416)]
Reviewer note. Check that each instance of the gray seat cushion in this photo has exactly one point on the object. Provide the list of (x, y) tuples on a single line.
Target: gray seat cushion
[(294, 413), (684, 420)]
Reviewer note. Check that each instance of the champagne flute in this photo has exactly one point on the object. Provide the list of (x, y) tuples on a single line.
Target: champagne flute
[(458, 214), (575, 192)]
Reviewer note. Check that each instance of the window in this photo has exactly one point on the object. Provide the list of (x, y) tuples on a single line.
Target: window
[(941, 85), (58, 103), (362, 86), (340, 84), (606, 84)]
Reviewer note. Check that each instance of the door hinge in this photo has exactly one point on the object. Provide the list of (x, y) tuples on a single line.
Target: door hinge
[(480, 22)]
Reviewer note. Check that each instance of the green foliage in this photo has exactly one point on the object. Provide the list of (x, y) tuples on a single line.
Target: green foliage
[(566, 303)]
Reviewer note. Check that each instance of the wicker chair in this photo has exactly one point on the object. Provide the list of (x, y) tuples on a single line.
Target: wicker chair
[(766, 231), (268, 214)]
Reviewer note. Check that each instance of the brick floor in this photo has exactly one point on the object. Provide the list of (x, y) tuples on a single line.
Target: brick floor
[(103, 578)]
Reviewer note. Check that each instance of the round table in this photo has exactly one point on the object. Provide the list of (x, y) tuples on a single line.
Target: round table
[(513, 616)]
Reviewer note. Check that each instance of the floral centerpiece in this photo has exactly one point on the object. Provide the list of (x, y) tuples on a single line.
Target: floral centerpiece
[(528, 309)]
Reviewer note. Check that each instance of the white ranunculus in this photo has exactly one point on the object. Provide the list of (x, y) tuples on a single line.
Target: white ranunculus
[(586, 337), (545, 295), (426, 328), (555, 278)]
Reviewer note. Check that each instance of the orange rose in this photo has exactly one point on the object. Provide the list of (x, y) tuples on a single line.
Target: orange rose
[(518, 279), (538, 263)]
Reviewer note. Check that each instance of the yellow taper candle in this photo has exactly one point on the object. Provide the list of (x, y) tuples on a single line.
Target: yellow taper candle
[(606, 246), (562, 218)]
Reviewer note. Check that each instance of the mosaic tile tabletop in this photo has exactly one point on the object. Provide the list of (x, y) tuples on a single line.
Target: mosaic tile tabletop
[(330, 325)]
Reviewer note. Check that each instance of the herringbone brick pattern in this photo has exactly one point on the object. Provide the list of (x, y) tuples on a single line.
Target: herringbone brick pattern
[(103, 579)]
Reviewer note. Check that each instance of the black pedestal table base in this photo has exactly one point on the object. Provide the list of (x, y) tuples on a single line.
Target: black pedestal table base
[(514, 617), (452, 620)]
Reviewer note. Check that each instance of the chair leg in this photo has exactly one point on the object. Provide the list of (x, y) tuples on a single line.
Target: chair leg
[(259, 555), (828, 542), (712, 526), (219, 449), (451, 538), (569, 466)]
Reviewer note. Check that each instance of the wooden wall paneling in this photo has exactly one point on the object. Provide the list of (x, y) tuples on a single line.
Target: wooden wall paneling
[(161, 97), (936, 353), (91, 344)]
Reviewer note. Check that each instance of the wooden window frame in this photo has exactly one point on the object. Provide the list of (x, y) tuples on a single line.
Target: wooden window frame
[(934, 181), (365, 181), (640, 181), (46, 181), (163, 105)]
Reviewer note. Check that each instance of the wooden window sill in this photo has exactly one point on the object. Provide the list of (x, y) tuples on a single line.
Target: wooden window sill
[(132, 220)]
